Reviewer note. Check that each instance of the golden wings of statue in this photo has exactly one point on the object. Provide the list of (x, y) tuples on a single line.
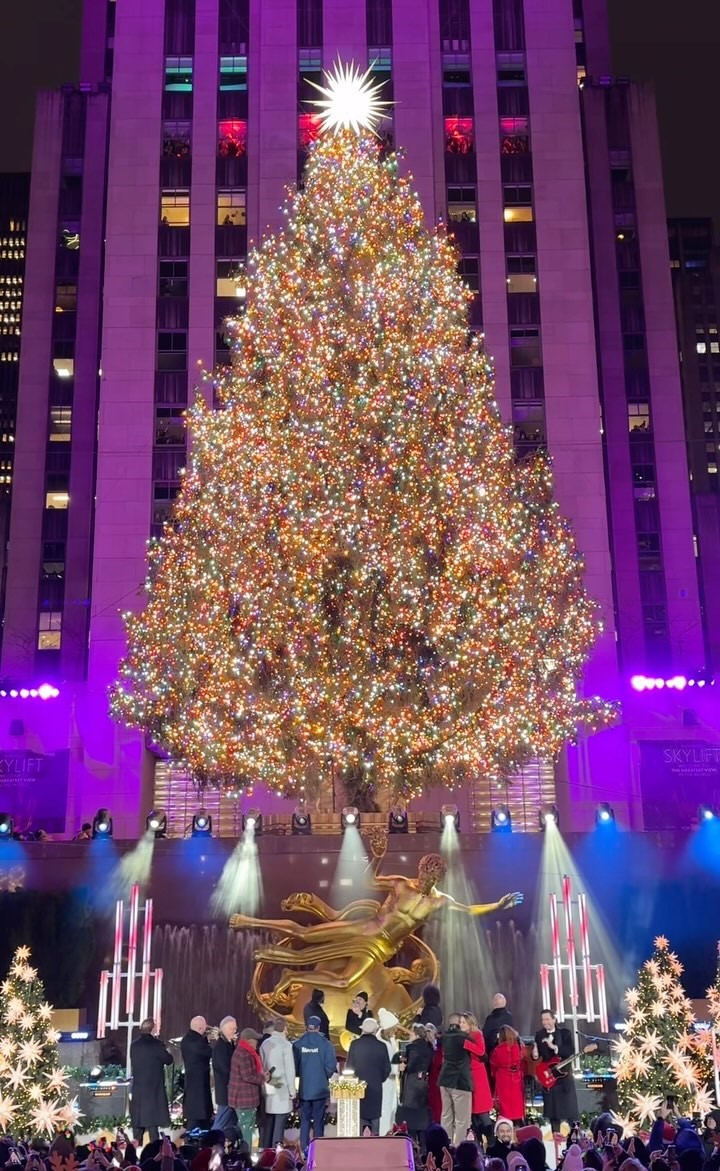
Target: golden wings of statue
[(350, 950)]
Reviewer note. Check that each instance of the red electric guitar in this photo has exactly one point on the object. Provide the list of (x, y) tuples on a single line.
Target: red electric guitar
[(548, 1073)]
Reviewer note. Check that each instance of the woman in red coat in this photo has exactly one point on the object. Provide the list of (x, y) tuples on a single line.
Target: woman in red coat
[(506, 1066), (434, 1098), (482, 1101)]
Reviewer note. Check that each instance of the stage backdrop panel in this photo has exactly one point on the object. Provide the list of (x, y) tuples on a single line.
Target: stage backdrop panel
[(33, 788), (675, 777)]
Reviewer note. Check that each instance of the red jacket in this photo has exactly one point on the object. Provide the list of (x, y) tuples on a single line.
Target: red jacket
[(246, 1078), (482, 1101)]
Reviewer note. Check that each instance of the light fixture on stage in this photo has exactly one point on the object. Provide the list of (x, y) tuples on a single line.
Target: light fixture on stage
[(706, 813), (604, 814), (450, 815), (6, 827), (549, 816), (252, 820), (501, 820), (398, 821), (350, 816), (102, 826), (156, 823), (201, 825), (301, 822)]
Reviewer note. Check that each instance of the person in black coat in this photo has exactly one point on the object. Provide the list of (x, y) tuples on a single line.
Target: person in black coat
[(357, 1014), (553, 1041), (415, 1062), (369, 1060), (223, 1049), (314, 1007), (196, 1055), (495, 1021), (149, 1105), (431, 1012)]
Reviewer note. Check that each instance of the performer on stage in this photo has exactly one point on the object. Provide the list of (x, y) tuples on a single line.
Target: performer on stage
[(482, 1102), (506, 1069), (196, 1055), (149, 1108), (434, 1097), (415, 1064), (553, 1042), (357, 1014), (388, 1035)]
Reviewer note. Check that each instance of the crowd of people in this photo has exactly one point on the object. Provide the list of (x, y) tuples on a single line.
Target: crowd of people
[(456, 1074)]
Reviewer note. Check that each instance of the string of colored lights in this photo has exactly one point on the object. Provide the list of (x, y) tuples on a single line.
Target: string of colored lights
[(357, 573)]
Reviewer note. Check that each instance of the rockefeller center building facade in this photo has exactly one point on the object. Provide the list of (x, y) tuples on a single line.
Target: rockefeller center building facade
[(150, 180)]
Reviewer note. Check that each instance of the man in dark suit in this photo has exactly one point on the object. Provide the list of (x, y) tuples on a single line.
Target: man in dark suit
[(225, 1116), (357, 1013), (149, 1104), (495, 1021), (553, 1041), (196, 1055), (455, 1082), (369, 1060)]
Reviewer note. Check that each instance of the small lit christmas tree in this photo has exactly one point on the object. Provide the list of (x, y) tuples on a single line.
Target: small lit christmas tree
[(659, 1053), (358, 578), (33, 1088)]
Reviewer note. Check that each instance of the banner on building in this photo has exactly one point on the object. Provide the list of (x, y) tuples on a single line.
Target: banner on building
[(33, 788), (676, 776)]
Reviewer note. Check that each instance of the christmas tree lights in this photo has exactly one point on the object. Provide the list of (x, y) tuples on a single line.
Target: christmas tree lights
[(33, 1088), (659, 1054), (357, 575)]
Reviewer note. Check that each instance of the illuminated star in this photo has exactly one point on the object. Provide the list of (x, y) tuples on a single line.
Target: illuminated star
[(35, 1092), (7, 1047), (652, 967), (7, 1112), (56, 1081), (28, 975), (645, 1106), (661, 943), (45, 1117), (27, 1021), (350, 99), (651, 1044), (6, 987), (14, 1010), (30, 1052), (632, 997), (45, 1012), (639, 1064), (628, 1125), (704, 1103), (71, 1114), (22, 954), (659, 1009), (16, 1077), (622, 1048)]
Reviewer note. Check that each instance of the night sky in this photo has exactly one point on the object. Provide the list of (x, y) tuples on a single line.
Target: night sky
[(675, 43)]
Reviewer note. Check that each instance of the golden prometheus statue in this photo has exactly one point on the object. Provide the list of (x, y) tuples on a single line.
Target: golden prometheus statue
[(350, 949)]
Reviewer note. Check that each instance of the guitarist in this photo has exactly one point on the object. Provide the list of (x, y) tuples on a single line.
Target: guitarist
[(555, 1043)]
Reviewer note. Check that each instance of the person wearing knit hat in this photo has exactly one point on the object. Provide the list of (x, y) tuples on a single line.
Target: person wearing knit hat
[(573, 1160), (687, 1138), (266, 1158), (517, 1162), (501, 1146), (388, 1023)]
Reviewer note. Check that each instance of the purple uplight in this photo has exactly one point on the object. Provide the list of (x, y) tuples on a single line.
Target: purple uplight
[(674, 683), (43, 691)]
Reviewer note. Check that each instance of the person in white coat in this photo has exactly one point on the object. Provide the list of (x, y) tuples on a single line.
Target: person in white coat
[(277, 1059), (388, 1026)]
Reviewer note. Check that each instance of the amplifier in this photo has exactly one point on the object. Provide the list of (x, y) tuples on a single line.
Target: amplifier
[(99, 1099), (357, 1154)]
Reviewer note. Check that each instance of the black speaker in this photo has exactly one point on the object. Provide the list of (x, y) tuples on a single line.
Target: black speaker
[(100, 1099)]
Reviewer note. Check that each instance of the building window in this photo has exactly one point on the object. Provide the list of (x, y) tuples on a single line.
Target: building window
[(701, 347), (60, 424), (169, 427), (179, 74), (55, 499), (469, 271), (525, 348), (176, 139), (230, 280), (231, 206), (462, 205), (49, 630), (459, 136), (64, 367), (53, 559), (514, 135), (517, 203), (172, 349), (380, 59), (456, 70), (639, 416), (232, 138), (309, 128), (175, 207), (66, 298), (173, 278), (522, 283), (521, 277), (233, 73)]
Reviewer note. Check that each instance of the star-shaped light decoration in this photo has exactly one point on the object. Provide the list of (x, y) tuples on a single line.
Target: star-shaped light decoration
[(71, 1114), (632, 998), (30, 1051), (645, 1105), (639, 1064), (7, 1047), (28, 975), (628, 1125), (651, 1044), (351, 99), (652, 967), (704, 1103), (35, 1093), (658, 1009), (22, 954), (53, 1036), (27, 1022), (45, 1012), (16, 1077), (45, 1117), (622, 1048), (661, 943), (56, 1081), (14, 1010), (6, 987), (7, 1112)]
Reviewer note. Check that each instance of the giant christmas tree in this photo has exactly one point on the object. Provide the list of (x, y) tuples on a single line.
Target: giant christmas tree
[(33, 1090), (659, 1054), (357, 573)]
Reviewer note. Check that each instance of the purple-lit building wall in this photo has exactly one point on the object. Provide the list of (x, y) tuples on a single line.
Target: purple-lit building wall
[(549, 175)]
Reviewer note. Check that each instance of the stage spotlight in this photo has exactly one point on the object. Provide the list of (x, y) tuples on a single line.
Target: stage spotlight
[(604, 814), (350, 816), (501, 820), (706, 813), (252, 820), (6, 827), (449, 815), (102, 826), (201, 825), (156, 823), (549, 816), (398, 821), (301, 824)]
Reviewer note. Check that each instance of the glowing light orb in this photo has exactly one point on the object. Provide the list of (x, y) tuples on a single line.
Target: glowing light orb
[(351, 99)]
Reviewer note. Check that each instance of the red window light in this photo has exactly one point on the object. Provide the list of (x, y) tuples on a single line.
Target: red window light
[(459, 135), (232, 138)]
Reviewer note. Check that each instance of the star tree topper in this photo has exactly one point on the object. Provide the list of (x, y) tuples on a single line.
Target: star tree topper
[(351, 99)]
